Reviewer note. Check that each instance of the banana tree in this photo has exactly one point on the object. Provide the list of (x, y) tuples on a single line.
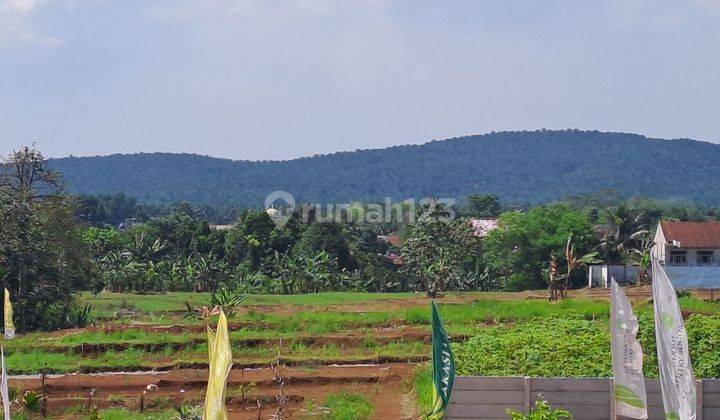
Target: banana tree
[(641, 255), (574, 263)]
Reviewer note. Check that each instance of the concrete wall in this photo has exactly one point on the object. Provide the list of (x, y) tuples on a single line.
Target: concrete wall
[(660, 245), (599, 275), (484, 397)]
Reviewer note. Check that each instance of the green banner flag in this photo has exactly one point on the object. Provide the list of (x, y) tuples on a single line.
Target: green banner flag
[(443, 366)]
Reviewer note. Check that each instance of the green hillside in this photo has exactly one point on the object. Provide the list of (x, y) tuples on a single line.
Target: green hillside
[(520, 167)]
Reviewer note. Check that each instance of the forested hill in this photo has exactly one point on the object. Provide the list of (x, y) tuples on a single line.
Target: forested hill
[(525, 167)]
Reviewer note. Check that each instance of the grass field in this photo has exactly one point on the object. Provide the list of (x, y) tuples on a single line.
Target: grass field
[(307, 335)]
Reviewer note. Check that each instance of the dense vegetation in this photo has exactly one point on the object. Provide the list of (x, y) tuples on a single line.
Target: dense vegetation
[(521, 167), (54, 245), (42, 254), (543, 346)]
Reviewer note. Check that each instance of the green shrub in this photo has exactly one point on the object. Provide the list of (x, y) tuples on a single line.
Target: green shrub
[(31, 401), (541, 411), (79, 316), (422, 382), (577, 348), (549, 347), (345, 406), (188, 412)]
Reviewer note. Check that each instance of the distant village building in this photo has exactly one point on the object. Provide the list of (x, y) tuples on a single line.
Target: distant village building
[(128, 224), (690, 253), (688, 243), (220, 227), (481, 227), (394, 240), (599, 275)]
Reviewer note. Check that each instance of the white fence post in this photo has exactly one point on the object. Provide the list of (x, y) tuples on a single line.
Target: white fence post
[(526, 389)]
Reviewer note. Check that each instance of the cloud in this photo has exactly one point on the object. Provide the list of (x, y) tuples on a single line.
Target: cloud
[(16, 25), (240, 77), (20, 6), (40, 40), (206, 11)]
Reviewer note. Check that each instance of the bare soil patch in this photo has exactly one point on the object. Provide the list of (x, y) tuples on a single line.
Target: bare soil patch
[(383, 385)]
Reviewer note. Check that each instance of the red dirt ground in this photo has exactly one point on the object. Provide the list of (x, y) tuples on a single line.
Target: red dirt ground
[(387, 387)]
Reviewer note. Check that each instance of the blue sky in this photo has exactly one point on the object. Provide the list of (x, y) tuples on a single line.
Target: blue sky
[(251, 79)]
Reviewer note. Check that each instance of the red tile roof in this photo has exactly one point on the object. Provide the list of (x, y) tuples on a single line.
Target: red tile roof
[(692, 234), (395, 240), (391, 239)]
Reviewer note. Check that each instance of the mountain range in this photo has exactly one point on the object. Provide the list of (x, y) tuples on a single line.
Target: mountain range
[(519, 167)]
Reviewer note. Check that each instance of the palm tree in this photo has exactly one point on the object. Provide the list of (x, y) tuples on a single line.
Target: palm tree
[(624, 229)]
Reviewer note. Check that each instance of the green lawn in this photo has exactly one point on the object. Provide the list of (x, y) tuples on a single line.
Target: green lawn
[(345, 406), (107, 303), (27, 360)]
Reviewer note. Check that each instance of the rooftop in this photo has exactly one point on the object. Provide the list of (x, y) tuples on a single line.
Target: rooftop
[(692, 234)]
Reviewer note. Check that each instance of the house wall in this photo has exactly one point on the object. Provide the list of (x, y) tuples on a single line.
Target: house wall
[(660, 247), (595, 276), (691, 256), (599, 275), (662, 251)]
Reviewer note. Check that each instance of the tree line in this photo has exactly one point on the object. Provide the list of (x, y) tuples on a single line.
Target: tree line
[(520, 166), (53, 245)]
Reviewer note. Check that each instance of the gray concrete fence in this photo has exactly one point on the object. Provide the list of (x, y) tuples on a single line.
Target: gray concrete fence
[(487, 397)]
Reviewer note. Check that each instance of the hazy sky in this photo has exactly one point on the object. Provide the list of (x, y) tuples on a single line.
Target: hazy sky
[(275, 79)]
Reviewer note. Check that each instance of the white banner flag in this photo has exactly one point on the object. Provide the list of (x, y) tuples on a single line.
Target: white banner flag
[(676, 375), (627, 357), (8, 311)]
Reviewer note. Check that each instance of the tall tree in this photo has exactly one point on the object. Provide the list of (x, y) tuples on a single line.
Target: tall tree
[(41, 249), (329, 237), (520, 250), (436, 252), (484, 205)]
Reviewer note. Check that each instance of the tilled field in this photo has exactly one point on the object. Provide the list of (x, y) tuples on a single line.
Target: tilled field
[(149, 364), (145, 355), (252, 393)]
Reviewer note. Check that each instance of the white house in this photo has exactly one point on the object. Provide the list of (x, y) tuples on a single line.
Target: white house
[(688, 243), (690, 253)]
